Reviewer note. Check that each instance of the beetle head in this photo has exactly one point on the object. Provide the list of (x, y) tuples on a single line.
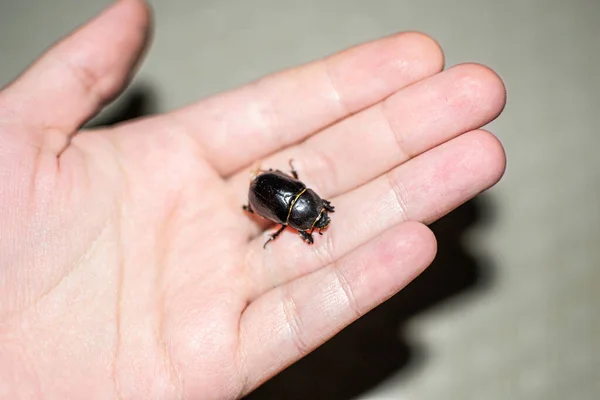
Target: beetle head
[(322, 221)]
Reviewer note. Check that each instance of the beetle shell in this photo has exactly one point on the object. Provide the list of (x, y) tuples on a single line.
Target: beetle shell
[(305, 210), (285, 200), (271, 194)]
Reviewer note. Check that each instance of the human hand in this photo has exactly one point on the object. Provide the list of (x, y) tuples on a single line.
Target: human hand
[(127, 266)]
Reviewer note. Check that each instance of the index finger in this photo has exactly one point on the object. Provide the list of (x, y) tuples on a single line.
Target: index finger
[(238, 127)]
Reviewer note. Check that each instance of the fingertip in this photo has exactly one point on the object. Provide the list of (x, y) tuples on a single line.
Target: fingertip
[(477, 157), (425, 54), (425, 237), (140, 9), (371, 71), (481, 87), (493, 155), (141, 13), (135, 13), (427, 49), (385, 265), (416, 243)]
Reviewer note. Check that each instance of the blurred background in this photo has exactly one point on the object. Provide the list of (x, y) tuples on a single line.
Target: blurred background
[(509, 309)]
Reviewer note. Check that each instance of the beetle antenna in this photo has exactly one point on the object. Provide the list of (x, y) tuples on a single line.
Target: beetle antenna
[(294, 172)]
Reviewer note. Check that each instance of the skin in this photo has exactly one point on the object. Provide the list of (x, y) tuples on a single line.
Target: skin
[(128, 267)]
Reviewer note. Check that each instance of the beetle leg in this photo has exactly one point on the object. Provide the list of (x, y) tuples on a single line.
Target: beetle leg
[(294, 172), (328, 206), (248, 208), (306, 236), (274, 236)]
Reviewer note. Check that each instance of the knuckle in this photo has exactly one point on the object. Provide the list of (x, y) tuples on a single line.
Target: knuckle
[(400, 193), (344, 108), (346, 290), (326, 252), (403, 150), (294, 323)]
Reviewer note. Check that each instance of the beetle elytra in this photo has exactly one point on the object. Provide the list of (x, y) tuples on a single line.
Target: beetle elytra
[(285, 200)]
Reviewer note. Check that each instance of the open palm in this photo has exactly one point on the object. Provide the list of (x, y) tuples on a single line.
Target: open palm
[(128, 268)]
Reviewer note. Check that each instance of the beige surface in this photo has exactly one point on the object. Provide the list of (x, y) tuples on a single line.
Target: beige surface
[(533, 332)]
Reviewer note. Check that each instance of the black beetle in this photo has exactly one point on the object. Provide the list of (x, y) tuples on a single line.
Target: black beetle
[(285, 200)]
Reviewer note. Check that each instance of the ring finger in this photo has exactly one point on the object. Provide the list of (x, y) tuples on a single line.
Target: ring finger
[(423, 189)]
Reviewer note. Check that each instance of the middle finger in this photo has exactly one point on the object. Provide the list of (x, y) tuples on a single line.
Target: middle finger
[(372, 142)]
